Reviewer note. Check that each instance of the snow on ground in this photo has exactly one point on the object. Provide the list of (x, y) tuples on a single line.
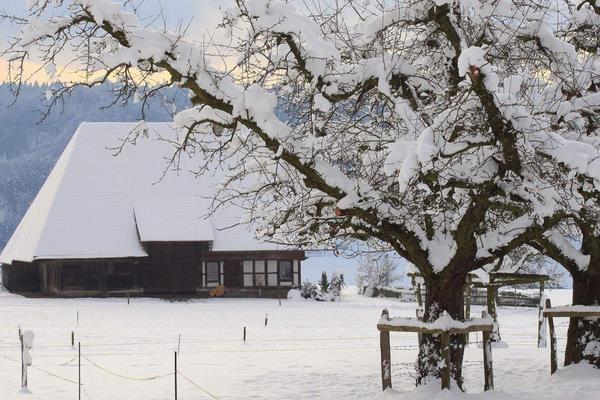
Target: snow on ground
[(308, 351)]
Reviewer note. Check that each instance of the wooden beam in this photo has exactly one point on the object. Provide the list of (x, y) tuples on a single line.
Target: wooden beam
[(568, 314), (434, 331)]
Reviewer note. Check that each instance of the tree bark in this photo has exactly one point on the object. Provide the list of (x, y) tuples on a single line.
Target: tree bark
[(583, 338), (443, 293)]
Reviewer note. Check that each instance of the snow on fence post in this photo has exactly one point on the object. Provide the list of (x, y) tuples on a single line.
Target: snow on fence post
[(487, 358), (26, 345), (386, 364), (553, 355), (446, 360)]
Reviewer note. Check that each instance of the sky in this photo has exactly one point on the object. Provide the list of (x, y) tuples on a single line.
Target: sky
[(203, 16)]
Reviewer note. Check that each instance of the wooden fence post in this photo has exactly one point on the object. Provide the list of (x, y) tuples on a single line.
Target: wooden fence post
[(244, 334), (541, 319), (419, 334), (553, 355), (79, 371), (468, 298), (446, 359), (491, 306), (419, 296), (386, 363), (468, 303), (22, 361), (488, 370), (175, 375)]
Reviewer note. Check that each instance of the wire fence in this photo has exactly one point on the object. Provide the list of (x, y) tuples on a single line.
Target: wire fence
[(47, 354)]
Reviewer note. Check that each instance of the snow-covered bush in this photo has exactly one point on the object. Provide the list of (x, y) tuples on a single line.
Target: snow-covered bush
[(295, 294), (309, 290), (326, 290)]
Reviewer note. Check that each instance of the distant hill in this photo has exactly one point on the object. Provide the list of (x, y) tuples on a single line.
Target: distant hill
[(29, 147)]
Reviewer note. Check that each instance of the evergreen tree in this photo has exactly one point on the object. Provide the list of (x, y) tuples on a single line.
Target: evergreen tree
[(324, 283)]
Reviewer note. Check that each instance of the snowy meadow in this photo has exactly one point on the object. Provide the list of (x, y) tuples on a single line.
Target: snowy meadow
[(308, 350)]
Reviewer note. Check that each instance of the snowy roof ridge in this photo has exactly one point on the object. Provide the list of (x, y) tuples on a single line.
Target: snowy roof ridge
[(95, 204)]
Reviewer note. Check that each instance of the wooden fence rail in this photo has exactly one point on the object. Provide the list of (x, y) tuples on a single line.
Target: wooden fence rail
[(387, 325)]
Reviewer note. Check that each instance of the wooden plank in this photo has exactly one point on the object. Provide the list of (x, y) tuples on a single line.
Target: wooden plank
[(553, 350), (568, 314), (386, 363), (509, 275), (420, 329), (446, 357)]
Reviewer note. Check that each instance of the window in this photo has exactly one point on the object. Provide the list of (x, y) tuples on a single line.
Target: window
[(285, 270), (212, 272)]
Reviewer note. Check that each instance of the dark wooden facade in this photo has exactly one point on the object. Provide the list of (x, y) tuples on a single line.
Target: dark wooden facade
[(169, 268)]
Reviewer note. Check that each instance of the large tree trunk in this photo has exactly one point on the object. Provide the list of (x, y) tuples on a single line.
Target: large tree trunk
[(444, 293), (583, 339)]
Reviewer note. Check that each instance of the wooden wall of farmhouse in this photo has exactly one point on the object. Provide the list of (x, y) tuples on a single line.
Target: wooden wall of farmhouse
[(21, 276), (171, 267)]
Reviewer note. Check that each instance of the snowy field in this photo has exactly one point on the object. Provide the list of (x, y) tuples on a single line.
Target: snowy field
[(308, 351)]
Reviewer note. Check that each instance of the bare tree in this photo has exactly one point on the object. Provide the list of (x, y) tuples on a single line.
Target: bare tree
[(419, 126), (377, 270)]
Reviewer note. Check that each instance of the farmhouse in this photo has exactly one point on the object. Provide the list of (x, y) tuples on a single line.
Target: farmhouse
[(108, 224)]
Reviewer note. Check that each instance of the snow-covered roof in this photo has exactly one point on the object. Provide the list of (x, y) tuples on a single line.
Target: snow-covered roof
[(99, 204)]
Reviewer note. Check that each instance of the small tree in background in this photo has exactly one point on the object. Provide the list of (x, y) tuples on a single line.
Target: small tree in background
[(336, 285), (324, 282), (377, 271)]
